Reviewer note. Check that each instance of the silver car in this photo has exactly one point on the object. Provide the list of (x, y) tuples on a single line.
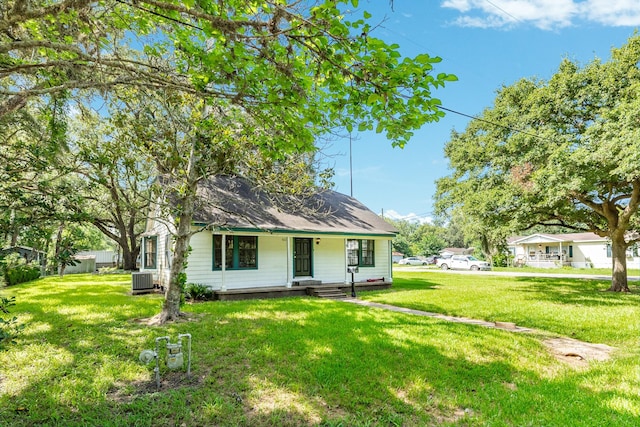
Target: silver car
[(463, 262), (413, 260)]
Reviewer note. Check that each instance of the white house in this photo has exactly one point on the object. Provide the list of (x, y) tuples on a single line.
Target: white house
[(581, 250), (247, 240)]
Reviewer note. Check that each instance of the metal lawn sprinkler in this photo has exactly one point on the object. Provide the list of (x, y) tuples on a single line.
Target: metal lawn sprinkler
[(175, 357)]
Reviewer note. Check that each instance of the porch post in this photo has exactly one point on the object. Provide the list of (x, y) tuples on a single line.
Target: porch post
[(223, 285), (390, 258), (561, 256), (346, 261), (288, 263)]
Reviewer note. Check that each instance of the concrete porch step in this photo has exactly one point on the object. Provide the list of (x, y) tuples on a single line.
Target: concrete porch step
[(331, 293), (306, 282)]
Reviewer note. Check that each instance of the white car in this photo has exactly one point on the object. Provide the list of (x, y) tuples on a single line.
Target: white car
[(463, 262), (413, 260)]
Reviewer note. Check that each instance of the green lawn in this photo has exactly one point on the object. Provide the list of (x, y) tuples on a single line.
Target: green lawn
[(305, 361)]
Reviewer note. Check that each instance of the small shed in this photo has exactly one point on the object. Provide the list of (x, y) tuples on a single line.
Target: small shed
[(86, 264)]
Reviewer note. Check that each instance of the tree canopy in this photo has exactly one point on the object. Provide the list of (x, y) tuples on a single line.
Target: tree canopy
[(307, 67), (197, 83), (563, 152)]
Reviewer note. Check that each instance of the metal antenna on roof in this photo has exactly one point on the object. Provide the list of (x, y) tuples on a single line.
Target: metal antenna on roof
[(350, 166)]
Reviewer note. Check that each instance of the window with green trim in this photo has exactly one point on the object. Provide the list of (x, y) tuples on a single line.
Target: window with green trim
[(361, 253), (240, 252), (151, 252)]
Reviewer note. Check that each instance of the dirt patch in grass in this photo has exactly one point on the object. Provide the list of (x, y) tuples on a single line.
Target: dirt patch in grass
[(128, 392), (578, 353), (184, 317)]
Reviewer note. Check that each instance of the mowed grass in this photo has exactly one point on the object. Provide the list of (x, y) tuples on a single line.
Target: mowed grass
[(306, 361)]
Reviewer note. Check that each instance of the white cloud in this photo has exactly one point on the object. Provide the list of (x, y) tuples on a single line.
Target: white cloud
[(460, 5), (614, 13), (420, 219), (543, 14)]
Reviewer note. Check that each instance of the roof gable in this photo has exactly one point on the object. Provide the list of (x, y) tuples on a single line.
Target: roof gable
[(233, 203), (555, 238)]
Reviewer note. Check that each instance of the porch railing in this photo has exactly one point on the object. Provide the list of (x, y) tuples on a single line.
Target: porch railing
[(543, 256)]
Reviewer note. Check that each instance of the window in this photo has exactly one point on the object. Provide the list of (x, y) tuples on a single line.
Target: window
[(361, 253), (150, 252), (240, 252), (608, 250), (570, 251)]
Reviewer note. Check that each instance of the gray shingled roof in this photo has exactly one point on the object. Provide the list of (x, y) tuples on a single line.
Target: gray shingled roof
[(233, 203)]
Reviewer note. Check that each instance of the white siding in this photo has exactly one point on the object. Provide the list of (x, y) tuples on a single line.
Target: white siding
[(329, 260), (275, 267), (587, 255), (200, 261), (594, 254), (381, 269), (161, 272), (102, 257), (275, 263)]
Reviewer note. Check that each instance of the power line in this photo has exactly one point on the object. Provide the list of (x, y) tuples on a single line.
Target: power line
[(493, 123), (504, 11), (188, 24)]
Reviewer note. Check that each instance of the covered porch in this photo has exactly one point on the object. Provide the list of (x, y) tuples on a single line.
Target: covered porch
[(542, 251)]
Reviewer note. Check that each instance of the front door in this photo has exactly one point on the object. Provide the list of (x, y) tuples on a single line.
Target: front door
[(302, 257)]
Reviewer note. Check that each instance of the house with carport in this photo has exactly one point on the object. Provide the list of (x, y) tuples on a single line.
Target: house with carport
[(247, 239)]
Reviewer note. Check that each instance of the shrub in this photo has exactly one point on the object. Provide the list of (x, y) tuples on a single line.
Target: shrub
[(16, 270), (111, 270), (198, 291), (9, 328)]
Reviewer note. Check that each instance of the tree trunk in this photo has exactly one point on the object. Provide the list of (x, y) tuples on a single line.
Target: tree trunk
[(129, 257), (619, 259), (127, 240), (171, 305)]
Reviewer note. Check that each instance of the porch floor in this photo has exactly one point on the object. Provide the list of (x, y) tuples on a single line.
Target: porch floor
[(302, 290)]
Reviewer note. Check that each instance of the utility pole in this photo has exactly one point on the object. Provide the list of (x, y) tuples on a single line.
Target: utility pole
[(350, 165)]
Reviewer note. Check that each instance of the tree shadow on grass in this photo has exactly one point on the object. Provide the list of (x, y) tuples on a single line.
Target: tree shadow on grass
[(586, 292), (305, 361)]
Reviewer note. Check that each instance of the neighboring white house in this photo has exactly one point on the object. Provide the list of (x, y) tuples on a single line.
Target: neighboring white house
[(581, 250), (246, 240)]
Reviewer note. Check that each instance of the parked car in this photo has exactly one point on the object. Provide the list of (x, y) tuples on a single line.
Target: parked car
[(431, 259), (413, 260), (463, 262)]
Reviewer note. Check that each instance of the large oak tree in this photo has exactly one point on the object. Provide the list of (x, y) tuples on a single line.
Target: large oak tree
[(563, 152), (287, 72)]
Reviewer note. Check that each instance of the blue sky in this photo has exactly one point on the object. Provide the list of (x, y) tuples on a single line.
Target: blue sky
[(487, 44)]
